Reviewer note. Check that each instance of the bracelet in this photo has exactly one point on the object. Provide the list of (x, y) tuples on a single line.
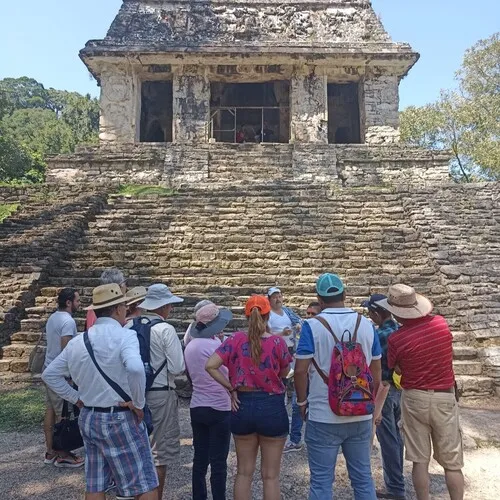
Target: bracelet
[(303, 403)]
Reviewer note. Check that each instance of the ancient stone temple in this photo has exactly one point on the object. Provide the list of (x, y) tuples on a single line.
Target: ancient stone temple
[(317, 79), (276, 123)]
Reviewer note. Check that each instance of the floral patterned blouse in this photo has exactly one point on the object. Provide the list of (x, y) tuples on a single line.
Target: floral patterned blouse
[(236, 356)]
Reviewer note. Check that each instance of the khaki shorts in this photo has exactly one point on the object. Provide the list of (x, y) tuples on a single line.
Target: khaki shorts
[(166, 435), (54, 402), (432, 417)]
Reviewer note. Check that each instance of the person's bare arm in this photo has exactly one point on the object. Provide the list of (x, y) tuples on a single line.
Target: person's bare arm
[(64, 341), (300, 378), (376, 369), (212, 367)]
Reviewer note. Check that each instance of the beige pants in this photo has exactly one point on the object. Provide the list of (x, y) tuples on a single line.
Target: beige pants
[(166, 435), (431, 418), (54, 402)]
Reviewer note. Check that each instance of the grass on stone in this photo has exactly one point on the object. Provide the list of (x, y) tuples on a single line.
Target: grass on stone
[(7, 210), (21, 409), (139, 190)]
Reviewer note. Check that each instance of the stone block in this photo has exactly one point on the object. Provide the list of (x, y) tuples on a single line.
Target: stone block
[(5, 365), (19, 366)]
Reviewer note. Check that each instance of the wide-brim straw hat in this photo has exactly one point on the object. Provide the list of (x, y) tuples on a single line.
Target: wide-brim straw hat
[(106, 296), (404, 302), (136, 294)]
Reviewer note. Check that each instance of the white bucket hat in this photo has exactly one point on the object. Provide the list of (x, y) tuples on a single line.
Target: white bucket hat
[(159, 295)]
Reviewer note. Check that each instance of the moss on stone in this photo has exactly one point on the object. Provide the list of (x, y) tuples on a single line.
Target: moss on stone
[(7, 210), (141, 190)]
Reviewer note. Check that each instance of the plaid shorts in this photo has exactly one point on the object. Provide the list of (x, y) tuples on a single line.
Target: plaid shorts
[(118, 449)]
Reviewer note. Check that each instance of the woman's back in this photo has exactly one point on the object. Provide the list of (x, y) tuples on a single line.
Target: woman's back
[(244, 372), (206, 391)]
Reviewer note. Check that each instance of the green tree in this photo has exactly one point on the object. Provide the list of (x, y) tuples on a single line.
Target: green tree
[(466, 121)]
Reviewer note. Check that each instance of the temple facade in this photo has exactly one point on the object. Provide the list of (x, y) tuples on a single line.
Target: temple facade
[(193, 72)]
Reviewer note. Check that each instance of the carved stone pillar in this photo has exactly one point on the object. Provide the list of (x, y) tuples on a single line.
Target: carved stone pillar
[(380, 109), (308, 108), (191, 107), (120, 105)]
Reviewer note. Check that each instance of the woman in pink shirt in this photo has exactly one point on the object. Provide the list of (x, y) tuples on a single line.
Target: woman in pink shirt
[(257, 362), (210, 404)]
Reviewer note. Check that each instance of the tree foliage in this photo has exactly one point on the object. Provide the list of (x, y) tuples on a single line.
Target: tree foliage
[(467, 120), (36, 122)]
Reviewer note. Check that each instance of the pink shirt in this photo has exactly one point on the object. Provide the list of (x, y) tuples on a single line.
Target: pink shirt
[(206, 391), (235, 354)]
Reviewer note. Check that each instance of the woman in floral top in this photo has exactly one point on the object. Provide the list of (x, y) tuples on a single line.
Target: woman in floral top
[(257, 362)]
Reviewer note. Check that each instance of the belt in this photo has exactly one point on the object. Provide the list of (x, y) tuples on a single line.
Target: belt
[(164, 388), (451, 390), (109, 409)]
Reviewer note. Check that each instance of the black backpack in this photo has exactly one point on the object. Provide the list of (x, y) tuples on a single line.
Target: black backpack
[(142, 326)]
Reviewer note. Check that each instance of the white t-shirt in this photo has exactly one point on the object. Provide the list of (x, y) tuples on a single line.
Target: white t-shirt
[(60, 324), (316, 341), (277, 323)]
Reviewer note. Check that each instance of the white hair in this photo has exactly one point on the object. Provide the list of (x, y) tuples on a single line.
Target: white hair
[(112, 275)]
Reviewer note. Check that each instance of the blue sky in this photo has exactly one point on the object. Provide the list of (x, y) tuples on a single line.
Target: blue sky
[(41, 39)]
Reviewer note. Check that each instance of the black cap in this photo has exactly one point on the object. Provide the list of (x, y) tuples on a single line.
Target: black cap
[(371, 302)]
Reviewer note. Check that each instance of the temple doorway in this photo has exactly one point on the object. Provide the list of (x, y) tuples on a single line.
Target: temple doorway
[(343, 113), (250, 112), (156, 112)]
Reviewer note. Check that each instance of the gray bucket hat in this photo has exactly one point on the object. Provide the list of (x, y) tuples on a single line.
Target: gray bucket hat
[(209, 321), (159, 295)]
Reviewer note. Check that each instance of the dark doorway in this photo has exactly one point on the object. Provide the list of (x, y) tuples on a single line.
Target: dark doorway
[(250, 112), (343, 114), (156, 112)]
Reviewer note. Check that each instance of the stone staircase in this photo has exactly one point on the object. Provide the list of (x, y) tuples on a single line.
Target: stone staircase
[(226, 242), (32, 240)]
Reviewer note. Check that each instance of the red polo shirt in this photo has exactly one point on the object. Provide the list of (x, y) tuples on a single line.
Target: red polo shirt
[(423, 350)]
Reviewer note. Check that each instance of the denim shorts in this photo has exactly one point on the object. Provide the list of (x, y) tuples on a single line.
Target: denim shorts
[(260, 413)]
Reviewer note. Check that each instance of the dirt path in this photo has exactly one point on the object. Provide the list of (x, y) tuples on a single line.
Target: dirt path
[(23, 475)]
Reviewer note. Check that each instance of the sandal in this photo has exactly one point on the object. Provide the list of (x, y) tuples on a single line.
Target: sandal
[(50, 458), (70, 461)]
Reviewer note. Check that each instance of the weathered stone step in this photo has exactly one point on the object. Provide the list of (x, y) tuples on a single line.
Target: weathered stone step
[(463, 352), (467, 367), (475, 386)]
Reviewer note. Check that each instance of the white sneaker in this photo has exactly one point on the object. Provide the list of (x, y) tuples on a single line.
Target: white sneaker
[(289, 446)]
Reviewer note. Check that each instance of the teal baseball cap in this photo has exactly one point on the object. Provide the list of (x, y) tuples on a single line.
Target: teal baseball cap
[(329, 285)]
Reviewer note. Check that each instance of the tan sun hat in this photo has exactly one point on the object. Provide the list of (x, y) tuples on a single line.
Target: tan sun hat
[(107, 296), (404, 302), (135, 295)]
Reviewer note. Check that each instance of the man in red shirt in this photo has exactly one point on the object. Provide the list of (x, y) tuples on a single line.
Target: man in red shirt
[(421, 351)]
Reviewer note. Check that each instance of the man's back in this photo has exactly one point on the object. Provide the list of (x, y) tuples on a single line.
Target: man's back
[(423, 350), (60, 324), (315, 339)]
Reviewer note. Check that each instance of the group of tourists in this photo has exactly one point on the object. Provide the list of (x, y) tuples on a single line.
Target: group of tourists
[(345, 375)]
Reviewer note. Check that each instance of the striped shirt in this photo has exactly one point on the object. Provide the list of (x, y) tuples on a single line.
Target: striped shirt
[(422, 348)]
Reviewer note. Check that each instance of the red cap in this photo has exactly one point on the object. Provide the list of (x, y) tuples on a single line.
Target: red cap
[(260, 302)]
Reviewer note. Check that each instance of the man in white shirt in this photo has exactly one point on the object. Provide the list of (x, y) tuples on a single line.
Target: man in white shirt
[(284, 322), (162, 398), (326, 432), (59, 330), (116, 443)]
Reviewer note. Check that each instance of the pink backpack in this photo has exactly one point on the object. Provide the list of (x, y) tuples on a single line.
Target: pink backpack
[(350, 382)]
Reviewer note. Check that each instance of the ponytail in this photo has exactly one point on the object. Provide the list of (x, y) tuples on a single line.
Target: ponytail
[(256, 328)]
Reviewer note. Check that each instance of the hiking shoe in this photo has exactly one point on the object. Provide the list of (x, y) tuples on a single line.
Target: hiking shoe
[(50, 458), (289, 446), (381, 494), (119, 497), (71, 461)]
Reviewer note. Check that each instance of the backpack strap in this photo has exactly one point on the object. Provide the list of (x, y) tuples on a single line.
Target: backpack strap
[(355, 334), (110, 382), (327, 326), (325, 323)]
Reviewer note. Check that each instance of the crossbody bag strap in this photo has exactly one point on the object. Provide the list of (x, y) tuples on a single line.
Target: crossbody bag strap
[(355, 334), (110, 382), (321, 373)]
